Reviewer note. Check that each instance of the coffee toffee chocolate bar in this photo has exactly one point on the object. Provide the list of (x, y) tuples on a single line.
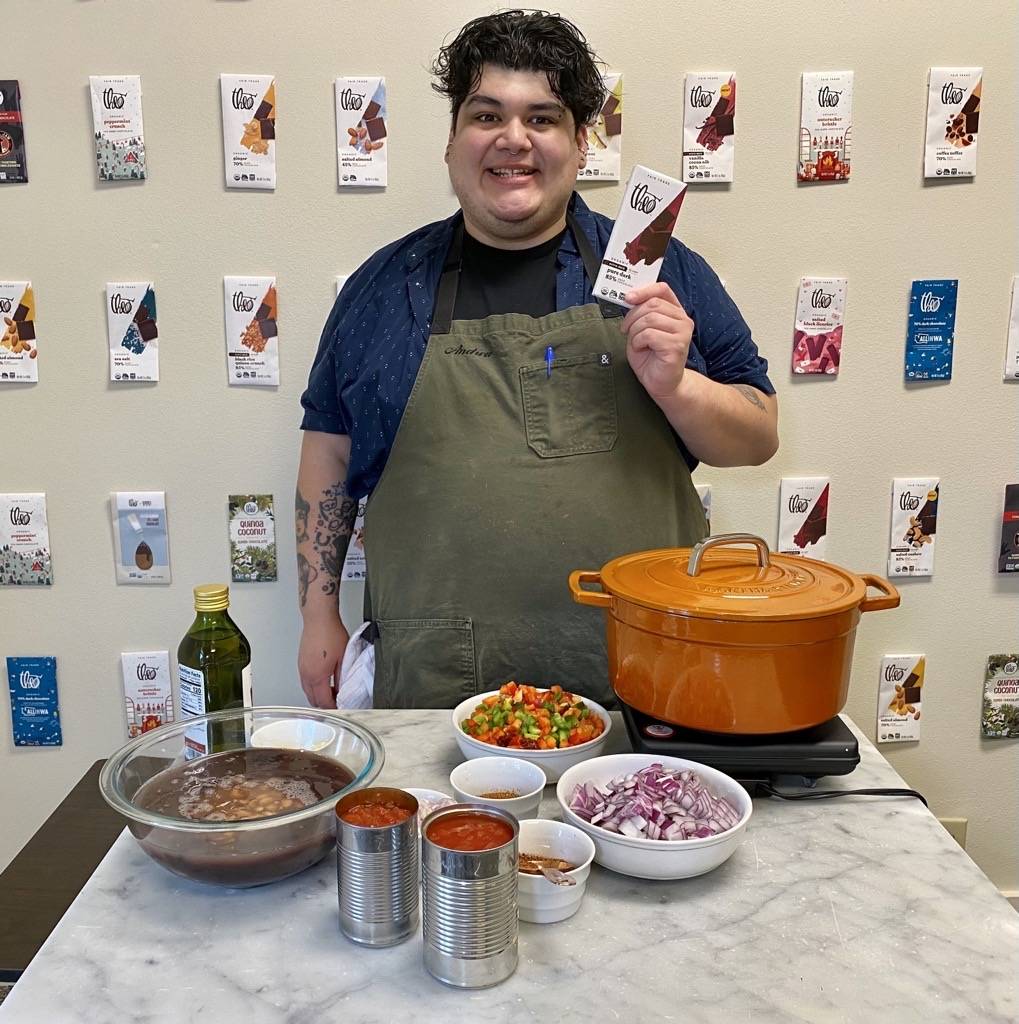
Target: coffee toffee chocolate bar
[(815, 526), (650, 245)]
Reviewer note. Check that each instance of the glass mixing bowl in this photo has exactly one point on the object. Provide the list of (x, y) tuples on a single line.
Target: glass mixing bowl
[(240, 853)]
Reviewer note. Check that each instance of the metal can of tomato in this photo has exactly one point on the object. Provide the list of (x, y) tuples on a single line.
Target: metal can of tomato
[(378, 865), (469, 895)]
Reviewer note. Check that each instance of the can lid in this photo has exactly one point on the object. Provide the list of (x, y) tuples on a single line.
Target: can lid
[(212, 597)]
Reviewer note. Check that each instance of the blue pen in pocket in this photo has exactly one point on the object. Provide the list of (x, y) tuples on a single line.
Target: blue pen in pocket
[(549, 360)]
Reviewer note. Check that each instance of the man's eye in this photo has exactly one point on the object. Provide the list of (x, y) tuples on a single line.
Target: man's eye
[(543, 120), (485, 118)]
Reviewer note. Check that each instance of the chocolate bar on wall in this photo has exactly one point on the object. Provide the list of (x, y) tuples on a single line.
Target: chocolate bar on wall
[(13, 159), (803, 516), (709, 127), (362, 132)]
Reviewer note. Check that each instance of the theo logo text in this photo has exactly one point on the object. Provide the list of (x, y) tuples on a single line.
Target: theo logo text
[(644, 201), (950, 95), (19, 517), (243, 303), (145, 673), (118, 304), (29, 681), (798, 504), (828, 97), (350, 100), (701, 97), (5, 305), (909, 502), (113, 100), (894, 673), (821, 299), (929, 302), (242, 100)]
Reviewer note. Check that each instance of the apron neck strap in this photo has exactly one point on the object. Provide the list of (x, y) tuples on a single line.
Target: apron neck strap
[(445, 299)]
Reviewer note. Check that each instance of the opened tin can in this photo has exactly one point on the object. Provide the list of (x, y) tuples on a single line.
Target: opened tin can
[(377, 869), (470, 895)]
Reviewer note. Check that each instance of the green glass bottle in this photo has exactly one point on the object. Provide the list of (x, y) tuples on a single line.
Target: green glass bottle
[(214, 671)]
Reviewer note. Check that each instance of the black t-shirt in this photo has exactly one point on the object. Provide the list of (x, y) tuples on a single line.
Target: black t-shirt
[(494, 281)]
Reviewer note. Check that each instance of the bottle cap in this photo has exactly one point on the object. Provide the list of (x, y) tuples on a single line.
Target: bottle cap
[(212, 597)]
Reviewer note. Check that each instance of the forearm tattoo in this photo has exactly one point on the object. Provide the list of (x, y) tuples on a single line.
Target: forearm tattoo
[(301, 512), (306, 575), (750, 394), (334, 523)]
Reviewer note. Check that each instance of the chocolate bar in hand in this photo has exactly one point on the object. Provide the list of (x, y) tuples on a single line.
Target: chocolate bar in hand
[(650, 245)]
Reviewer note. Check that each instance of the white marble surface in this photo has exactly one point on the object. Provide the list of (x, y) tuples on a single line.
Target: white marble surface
[(850, 910)]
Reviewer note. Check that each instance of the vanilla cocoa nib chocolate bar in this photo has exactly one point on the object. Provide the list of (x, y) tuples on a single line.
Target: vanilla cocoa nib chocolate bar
[(709, 127), (117, 126), (640, 235), (953, 122)]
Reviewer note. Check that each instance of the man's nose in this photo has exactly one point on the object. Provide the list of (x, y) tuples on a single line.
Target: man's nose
[(514, 135)]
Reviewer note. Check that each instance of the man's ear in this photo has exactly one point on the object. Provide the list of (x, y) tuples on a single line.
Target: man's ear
[(582, 144), (449, 141)]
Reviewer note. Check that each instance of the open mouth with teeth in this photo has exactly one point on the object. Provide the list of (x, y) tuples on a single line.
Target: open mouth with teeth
[(511, 172)]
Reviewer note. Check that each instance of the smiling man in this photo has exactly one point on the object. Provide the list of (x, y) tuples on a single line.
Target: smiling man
[(506, 428)]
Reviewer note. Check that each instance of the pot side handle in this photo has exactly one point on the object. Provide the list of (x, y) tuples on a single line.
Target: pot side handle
[(595, 598), (877, 604)]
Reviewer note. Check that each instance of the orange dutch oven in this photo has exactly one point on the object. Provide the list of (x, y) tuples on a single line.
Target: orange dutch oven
[(720, 638)]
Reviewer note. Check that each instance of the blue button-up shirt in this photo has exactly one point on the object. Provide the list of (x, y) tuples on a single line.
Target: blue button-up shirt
[(375, 337)]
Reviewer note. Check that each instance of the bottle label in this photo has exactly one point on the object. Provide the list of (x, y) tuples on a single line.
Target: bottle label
[(246, 693), (192, 704)]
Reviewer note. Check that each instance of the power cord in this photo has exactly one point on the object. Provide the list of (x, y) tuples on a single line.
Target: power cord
[(832, 794)]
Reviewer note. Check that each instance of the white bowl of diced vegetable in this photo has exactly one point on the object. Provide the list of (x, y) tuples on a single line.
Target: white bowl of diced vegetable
[(696, 814), (578, 716)]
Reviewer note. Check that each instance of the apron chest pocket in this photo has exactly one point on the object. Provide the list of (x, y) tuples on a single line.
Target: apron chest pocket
[(424, 663), (573, 410)]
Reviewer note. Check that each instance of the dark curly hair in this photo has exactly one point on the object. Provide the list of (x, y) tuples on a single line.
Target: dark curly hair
[(523, 41)]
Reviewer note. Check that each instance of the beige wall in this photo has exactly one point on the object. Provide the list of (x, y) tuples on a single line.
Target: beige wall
[(78, 437)]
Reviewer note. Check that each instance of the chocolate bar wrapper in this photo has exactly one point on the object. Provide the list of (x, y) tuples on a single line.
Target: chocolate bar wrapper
[(953, 120), (117, 126), (640, 235), (141, 543), (252, 538), (354, 566), (900, 687), (18, 342), (24, 541), (35, 705), (914, 524), (1008, 555), (803, 516), (13, 160), (252, 343), (605, 136), (249, 130), (817, 336), (1011, 370), (148, 693), (826, 126), (709, 129), (132, 331), (362, 133), (1000, 717), (930, 333), (704, 493)]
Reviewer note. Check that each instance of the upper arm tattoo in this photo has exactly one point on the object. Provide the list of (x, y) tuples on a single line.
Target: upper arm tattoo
[(750, 394)]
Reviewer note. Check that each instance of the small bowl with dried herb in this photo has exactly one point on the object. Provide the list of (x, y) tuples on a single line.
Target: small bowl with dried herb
[(555, 860), (503, 782)]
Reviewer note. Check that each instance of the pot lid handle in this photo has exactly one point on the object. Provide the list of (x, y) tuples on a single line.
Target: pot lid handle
[(693, 567)]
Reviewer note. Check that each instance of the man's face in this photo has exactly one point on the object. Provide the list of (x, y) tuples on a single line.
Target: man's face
[(513, 157)]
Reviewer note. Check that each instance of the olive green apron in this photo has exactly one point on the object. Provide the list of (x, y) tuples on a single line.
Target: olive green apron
[(503, 478)]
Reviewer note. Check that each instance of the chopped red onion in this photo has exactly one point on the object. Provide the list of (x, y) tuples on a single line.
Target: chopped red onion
[(655, 803)]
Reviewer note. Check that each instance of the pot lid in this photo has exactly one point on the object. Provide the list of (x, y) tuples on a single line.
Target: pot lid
[(718, 580)]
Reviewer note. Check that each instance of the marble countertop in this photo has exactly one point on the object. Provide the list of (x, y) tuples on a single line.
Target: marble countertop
[(853, 910)]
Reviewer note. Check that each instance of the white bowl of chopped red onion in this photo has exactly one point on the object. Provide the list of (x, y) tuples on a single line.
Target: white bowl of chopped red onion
[(653, 816)]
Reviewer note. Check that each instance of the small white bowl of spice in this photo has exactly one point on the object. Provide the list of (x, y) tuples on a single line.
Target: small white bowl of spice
[(503, 782), (555, 860)]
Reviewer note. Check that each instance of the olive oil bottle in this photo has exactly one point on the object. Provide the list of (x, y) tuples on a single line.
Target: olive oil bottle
[(214, 671)]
